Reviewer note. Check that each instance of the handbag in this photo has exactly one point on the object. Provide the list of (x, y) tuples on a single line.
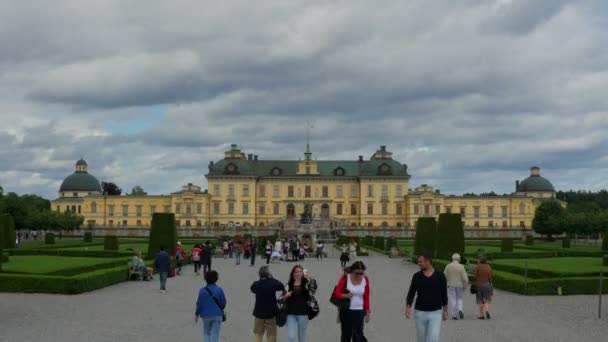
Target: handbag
[(340, 303), (217, 302), (281, 318)]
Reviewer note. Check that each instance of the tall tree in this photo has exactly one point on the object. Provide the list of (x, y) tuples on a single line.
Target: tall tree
[(545, 218), (110, 189), (137, 191)]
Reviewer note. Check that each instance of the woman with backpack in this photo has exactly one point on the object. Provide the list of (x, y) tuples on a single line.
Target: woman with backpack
[(354, 292), (300, 302), (210, 307), (195, 255)]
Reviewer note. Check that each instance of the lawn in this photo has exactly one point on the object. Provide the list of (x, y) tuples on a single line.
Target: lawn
[(49, 264), (67, 242), (570, 265)]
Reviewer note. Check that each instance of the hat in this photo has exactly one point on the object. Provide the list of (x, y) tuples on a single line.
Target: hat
[(179, 243)]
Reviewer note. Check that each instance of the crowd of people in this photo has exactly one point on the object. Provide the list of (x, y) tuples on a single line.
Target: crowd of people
[(433, 296)]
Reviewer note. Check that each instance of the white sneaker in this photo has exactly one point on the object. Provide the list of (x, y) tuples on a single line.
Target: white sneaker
[(163, 291)]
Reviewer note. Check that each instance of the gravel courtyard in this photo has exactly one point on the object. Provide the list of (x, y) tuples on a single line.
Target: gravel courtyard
[(136, 311)]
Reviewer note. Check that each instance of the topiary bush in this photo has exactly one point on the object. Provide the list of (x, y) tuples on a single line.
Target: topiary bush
[(506, 245), (605, 260), (88, 237), (163, 233), (379, 242), (566, 242), (450, 236), (426, 236), (49, 239), (7, 231), (110, 243), (605, 242), (529, 240), (368, 240)]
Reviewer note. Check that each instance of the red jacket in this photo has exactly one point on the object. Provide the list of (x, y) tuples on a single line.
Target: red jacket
[(340, 286), (197, 251), (179, 249)]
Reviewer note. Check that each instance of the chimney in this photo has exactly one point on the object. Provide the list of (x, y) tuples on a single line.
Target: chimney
[(249, 156), (233, 147), (516, 185), (535, 171), (383, 148), (360, 158), (255, 157)]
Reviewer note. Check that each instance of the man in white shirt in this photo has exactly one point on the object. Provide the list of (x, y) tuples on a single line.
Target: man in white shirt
[(457, 281)]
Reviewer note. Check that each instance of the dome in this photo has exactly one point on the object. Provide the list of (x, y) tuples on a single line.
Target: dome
[(535, 182), (80, 180)]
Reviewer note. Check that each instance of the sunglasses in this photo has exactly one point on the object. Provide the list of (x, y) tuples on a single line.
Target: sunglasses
[(359, 273)]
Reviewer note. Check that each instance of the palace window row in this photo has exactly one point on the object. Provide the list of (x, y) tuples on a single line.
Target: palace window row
[(477, 210), (339, 191)]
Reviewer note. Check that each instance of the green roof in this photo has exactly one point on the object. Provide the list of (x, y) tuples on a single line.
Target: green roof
[(327, 168), (80, 181), (535, 183)]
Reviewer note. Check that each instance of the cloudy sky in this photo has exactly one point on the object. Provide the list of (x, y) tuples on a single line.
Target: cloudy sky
[(468, 93)]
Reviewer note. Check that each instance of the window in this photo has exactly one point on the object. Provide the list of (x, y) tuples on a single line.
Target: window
[(125, 210), (339, 191), (370, 208), (448, 210), (230, 190), (178, 208), (476, 212), (353, 209), (124, 222), (138, 210), (262, 190), (275, 209), (152, 209), (522, 209), (490, 211), (167, 208), (246, 208), (399, 191), (188, 223), (490, 224), (290, 191), (384, 208), (79, 209), (93, 208), (245, 190), (308, 170), (504, 224), (437, 209), (178, 223), (384, 191), (325, 191), (463, 211), (199, 208), (199, 223), (111, 222), (476, 224), (416, 210), (353, 191), (504, 211), (216, 190), (339, 209), (231, 208), (399, 209), (307, 191), (370, 191), (75, 194), (522, 224), (58, 208), (275, 191), (427, 209), (216, 208), (262, 210), (138, 223)]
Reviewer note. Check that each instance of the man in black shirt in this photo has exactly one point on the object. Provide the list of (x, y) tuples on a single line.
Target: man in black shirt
[(265, 309), (431, 292)]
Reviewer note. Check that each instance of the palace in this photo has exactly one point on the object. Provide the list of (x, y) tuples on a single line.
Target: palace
[(246, 190)]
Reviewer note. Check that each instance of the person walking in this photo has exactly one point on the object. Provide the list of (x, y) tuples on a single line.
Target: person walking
[(226, 249), (237, 248), (246, 250), (253, 249), (268, 252), (210, 307), (430, 289), (344, 257), (278, 247), (230, 248), (457, 281), (295, 250), (162, 264), (207, 252), (265, 308), (195, 256), (301, 288), (483, 282), (319, 250), (352, 247), (356, 284), (180, 255)]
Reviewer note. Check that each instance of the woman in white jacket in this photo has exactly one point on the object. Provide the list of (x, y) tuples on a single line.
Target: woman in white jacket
[(458, 281)]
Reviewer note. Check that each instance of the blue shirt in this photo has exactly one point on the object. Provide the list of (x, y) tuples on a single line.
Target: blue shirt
[(162, 262), (266, 297), (205, 306)]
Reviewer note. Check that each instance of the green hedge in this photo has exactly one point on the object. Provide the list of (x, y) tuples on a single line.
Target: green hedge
[(368, 240), (605, 260), (380, 242), (539, 255), (49, 238), (529, 240), (74, 253), (85, 282), (450, 236), (566, 242), (4, 256), (111, 263), (163, 233), (506, 245), (110, 243), (7, 232), (605, 242), (549, 286), (426, 236), (88, 237)]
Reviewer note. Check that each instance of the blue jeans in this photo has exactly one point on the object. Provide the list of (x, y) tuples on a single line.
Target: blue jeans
[(238, 258), (428, 325), (301, 321), (163, 280), (211, 328)]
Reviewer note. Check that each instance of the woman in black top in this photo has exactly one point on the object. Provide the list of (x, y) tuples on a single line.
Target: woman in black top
[(300, 301)]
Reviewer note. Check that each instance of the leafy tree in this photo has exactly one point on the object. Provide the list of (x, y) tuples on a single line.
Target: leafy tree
[(110, 189), (137, 191), (545, 219), (1, 191)]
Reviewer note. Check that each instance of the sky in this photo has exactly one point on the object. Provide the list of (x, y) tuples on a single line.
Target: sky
[(468, 93)]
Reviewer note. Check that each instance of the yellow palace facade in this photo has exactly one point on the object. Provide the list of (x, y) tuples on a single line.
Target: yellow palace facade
[(245, 190)]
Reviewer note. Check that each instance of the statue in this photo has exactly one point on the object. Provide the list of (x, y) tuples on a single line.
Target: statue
[(306, 216)]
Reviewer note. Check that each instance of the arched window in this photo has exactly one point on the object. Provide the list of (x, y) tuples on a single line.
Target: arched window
[(384, 224), (291, 210), (325, 210), (370, 224), (93, 207)]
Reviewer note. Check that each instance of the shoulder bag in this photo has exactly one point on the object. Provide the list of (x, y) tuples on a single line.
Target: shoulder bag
[(217, 302), (340, 303)]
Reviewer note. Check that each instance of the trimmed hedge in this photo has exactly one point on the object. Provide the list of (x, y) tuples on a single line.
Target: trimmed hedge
[(506, 245), (605, 242), (7, 231), (529, 240), (426, 236), (85, 282), (74, 253), (380, 243), (450, 236), (544, 254), (605, 260), (49, 238), (163, 233), (88, 237), (566, 242), (84, 269), (110, 243), (4, 256), (368, 240)]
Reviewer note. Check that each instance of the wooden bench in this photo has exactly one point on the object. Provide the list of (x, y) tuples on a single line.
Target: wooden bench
[(138, 273)]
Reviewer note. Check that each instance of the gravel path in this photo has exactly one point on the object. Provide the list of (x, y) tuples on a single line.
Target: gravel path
[(136, 311)]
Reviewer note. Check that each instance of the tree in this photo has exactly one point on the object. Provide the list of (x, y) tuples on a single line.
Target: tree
[(450, 236), (163, 233), (137, 191), (110, 189), (546, 219), (426, 236)]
